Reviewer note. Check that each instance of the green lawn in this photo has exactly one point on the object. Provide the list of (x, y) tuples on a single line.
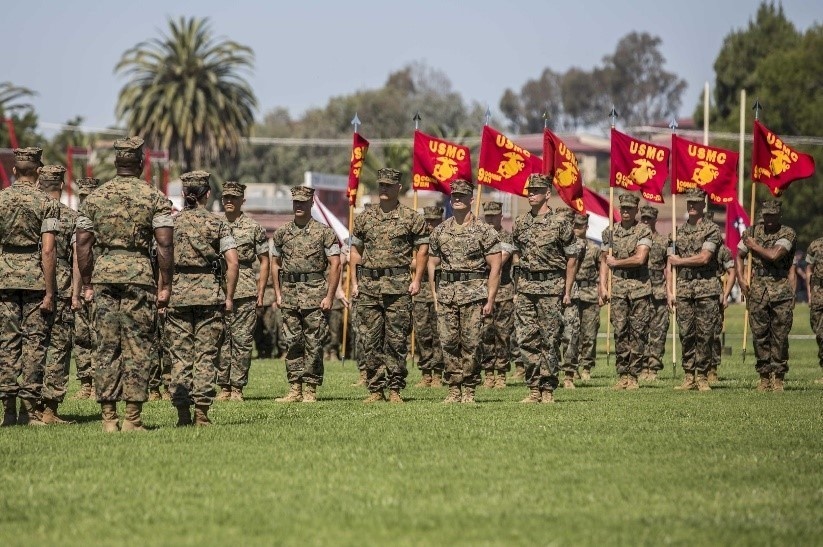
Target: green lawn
[(600, 467)]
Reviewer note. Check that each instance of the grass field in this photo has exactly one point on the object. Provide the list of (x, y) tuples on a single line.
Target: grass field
[(654, 466)]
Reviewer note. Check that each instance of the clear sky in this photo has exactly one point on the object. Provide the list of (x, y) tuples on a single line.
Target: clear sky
[(307, 51)]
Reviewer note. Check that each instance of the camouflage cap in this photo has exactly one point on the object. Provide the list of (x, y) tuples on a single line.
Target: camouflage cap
[(492, 208), (195, 178), (647, 211), (52, 173), (581, 220), (536, 180), (87, 185), (695, 195), (232, 188), (434, 212), (302, 193), (30, 154), (628, 200), (130, 148), (387, 175), (462, 186), (771, 207)]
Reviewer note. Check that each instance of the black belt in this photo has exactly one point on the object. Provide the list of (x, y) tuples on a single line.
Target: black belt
[(656, 274), (688, 274), (244, 266), (302, 277), (528, 275), (775, 274), (505, 279), (582, 284), (454, 275), (18, 249), (377, 273), (194, 269), (127, 252), (632, 273)]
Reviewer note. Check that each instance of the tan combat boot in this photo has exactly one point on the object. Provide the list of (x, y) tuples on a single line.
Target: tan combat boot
[(295, 394), (183, 416), (621, 383), (224, 395), (425, 380), (201, 416), (49, 416), (237, 395), (712, 376), (702, 382), (110, 418), (547, 396), (688, 383), (437, 379), (468, 395), (500, 379), (519, 372), (765, 383), (631, 382), (132, 420), (643, 373), (585, 375), (533, 397), (310, 393), (375, 397), (9, 411), (455, 395), (394, 396), (777, 383), (568, 381), (28, 413), (85, 391), (651, 375), (488, 380), (166, 396), (154, 394), (362, 380)]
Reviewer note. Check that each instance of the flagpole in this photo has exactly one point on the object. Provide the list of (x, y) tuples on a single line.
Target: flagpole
[(355, 122), (613, 116), (753, 222), (416, 118), (673, 186), (740, 167), (480, 186)]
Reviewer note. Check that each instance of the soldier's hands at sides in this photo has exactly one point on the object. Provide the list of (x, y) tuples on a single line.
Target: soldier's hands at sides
[(488, 308), (603, 296), (260, 307), (744, 288), (611, 261), (671, 301), (278, 300), (567, 300), (76, 305), (88, 293), (414, 288), (326, 303), (340, 295), (229, 305), (724, 302), (47, 305), (163, 296), (355, 289)]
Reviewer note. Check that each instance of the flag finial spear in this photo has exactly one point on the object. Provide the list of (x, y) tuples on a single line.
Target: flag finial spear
[(355, 122), (546, 117), (417, 119), (613, 115), (673, 125), (488, 114), (757, 108)]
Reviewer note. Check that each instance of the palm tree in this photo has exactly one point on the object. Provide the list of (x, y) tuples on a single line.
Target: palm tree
[(20, 112), (185, 93)]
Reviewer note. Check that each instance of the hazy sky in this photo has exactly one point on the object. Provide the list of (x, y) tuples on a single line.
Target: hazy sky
[(308, 51)]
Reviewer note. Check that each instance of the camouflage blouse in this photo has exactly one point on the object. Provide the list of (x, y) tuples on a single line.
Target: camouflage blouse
[(463, 248), (588, 275), (657, 263), (692, 239), (506, 289), (814, 257), (628, 282), (544, 244), (770, 279), (251, 243), (724, 261), (65, 250), (26, 214)]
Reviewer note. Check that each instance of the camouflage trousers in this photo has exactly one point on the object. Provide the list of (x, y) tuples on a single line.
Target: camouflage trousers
[(497, 338), (630, 320), (58, 361), (697, 322), (580, 349), (304, 332), (193, 336), (335, 336), (24, 340), (160, 374), (124, 322), (383, 327), (717, 343), (570, 338), (461, 329), (538, 320), (771, 323), (658, 334), (816, 320), (83, 343), (268, 333), (234, 359), (427, 338)]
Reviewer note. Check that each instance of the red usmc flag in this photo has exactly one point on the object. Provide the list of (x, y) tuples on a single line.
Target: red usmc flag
[(774, 163), (504, 165), (437, 163), (639, 166), (560, 162), (359, 148), (713, 170)]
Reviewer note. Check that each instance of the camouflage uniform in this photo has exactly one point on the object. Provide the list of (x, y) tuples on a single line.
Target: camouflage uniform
[(383, 303), (544, 243), (426, 336), (194, 320), (160, 373), (724, 262), (814, 258), (266, 334), (24, 330), (497, 339), (571, 322), (698, 293), (122, 214), (771, 298), (235, 357), (630, 294), (304, 256), (462, 292), (659, 305), (581, 351)]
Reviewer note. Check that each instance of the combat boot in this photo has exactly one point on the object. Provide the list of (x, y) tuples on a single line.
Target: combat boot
[(468, 395), (712, 376), (426, 380), (547, 396), (183, 416), (201, 416), (519, 372), (586, 375), (85, 391), (455, 395), (500, 379), (631, 382), (310, 393), (295, 394), (394, 396), (361, 381), (621, 383), (568, 381), (49, 416), (110, 418), (375, 397), (166, 396), (224, 395), (28, 413), (765, 383), (703, 382), (437, 379), (9, 411), (533, 397), (651, 375), (237, 395), (688, 383), (777, 383), (643, 374), (488, 381), (154, 394), (132, 420)]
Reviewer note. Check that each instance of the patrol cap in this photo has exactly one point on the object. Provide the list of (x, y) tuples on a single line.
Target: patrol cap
[(695, 195), (581, 220), (195, 178), (628, 200), (30, 154), (536, 180), (647, 211), (492, 208), (87, 185), (52, 173), (302, 193), (234, 189), (771, 207), (128, 149), (433, 212), (461, 186), (387, 175)]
